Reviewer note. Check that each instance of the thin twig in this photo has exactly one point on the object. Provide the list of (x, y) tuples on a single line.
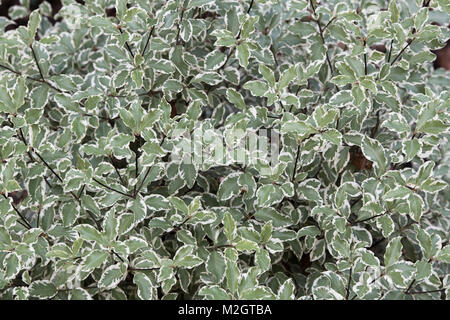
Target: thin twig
[(118, 256), (148, 40), (295, 163), (179, 26), (370, 218), (37, 63), (401, 52), (349, 283), (321, 35), (390, 51), (250, 7), (410, 286), (147, 172), (19, 214), (423, 292), (117, 171), (126, 43), (112, 189)]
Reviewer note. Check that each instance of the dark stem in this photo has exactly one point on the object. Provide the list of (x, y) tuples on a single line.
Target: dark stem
[(410, 286), (179, 26), (329, 22), (50, 168), (365, 64), (390, 51), (228, 58), (28, 226), (377, 124), (370, 218), (38, 217), (321, 35), (221, 246), (423, 292), (121, 259), (12, 70), (148, 40), (137, 163), (250, 7), (117, 171), (37, 63), (349, 283), (112, 189), (126, 44), (295, 163), (147, 172), (401, 52)]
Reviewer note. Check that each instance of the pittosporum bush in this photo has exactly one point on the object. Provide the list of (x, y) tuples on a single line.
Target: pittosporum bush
[(199, 149)]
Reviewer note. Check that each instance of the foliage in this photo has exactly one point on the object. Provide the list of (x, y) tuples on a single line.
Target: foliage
[(99, 201)]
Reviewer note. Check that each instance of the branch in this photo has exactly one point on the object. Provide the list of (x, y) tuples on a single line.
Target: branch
[(138, 138), (126, 42), (329, 22), (429, 291), (250, 7), (147, 172), (71, 192), (27, 225), (179, 26), (410, 286), (37, 63), (321, 34), (112, 189), (295, 163), (401, 52), (118, 256), (390, 51), (370, 218), (148, 40), (117, 171), (349, 283)]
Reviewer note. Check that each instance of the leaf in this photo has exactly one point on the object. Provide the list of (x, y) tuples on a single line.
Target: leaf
[(393, 251), (104, 24), (286, 77), (246, 245), (433, 127), (95, 259), (266, 232), (215, 264), (89, 233), (236, 98), (33, 24), (397, 193), (301, 128), (268, 195), (214, 60), (215, 292), (286, 290), (229, 226), (374, 151), (43, 289), (268, 74), (112, 276), (257, 88), (179, 204), (243, 54), (257, 293), (184, 258), (144, 285), (11, 264)]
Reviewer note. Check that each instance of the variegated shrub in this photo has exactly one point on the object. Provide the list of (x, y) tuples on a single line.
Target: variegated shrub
[(199, 149)]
